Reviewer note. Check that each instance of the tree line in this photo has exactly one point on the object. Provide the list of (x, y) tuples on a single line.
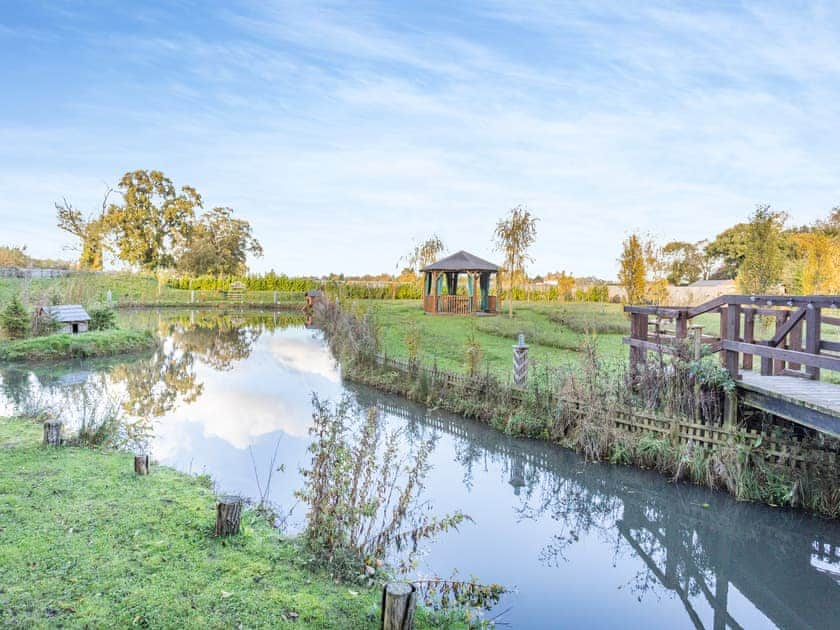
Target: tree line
[(155, 225), (763, 255)]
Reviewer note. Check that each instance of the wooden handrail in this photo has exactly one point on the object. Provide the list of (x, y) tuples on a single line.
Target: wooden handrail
[(792, 314), (793, 356)]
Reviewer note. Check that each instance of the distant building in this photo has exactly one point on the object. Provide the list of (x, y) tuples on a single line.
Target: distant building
[(72, 318)]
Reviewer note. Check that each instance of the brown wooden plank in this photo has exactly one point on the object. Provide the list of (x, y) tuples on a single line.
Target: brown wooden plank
[(812, 339), (815, 360)]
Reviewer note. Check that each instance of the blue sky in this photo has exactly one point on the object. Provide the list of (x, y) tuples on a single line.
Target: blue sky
[(345, 130)]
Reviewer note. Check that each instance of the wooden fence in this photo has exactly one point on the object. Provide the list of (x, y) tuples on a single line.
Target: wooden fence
[(783, 449)]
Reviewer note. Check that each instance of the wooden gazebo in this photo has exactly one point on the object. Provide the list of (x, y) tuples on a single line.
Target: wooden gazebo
[(440, 286)]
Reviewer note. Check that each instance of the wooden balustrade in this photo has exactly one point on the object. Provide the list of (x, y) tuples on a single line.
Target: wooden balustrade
[(796, 347)]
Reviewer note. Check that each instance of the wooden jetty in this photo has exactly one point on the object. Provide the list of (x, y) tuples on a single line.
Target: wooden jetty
[(773, 346)]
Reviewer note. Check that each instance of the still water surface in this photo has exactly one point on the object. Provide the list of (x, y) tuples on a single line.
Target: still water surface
[(583, 545)]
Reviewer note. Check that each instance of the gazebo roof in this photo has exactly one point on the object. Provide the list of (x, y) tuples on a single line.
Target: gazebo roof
[(461, 261)]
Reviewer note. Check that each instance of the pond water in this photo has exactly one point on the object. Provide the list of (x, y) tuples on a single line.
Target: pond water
[(583, 545)]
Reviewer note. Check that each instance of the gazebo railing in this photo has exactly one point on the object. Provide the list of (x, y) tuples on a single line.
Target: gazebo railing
[(455, 304)]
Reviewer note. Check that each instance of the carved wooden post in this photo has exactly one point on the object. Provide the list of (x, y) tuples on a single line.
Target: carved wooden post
[(52, 433), (520, 363), (228, 513), (141, 464), (399, 600)]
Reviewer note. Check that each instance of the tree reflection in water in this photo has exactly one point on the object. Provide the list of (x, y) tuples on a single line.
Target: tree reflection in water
[(156, 384), (695, 543)]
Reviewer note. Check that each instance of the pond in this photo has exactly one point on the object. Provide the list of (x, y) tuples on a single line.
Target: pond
[(581, 544)]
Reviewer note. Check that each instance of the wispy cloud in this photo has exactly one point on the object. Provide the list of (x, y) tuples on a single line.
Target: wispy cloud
[(329, 123)]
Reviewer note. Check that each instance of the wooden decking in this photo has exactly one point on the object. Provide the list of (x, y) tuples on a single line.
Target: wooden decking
[(815, 404)]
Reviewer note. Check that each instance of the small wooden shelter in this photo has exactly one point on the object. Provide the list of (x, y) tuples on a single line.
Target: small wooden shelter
[(71, 318), (440, 286)]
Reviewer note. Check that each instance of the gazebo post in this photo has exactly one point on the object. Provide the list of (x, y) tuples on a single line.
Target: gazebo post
[(435, 289)]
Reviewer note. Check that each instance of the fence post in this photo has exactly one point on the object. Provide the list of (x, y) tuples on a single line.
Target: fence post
[(141, 464), (399, 600), (52, 433), (520, 363), (228, 513)]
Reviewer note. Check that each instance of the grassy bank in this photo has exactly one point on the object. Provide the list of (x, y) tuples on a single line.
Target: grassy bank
[(130, 289), (100, 343), (86, 543), (553, 331), (589, 405)]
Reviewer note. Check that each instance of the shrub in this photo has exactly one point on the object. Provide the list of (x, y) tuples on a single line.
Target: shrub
[(361, 494), (15, 319), (103, 318)]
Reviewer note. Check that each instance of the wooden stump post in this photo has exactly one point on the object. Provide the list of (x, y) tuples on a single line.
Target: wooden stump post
[(141, 464), (228, 513), (52, 433), (398, 602), (520, 363)]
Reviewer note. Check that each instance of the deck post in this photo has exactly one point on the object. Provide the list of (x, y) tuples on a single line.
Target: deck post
[(812, 338), (795, 342), (724, 314), (696, 333), (749, 337), (779, 364), (733, 332), (730, 408)]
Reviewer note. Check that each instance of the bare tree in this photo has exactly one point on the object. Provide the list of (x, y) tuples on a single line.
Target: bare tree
[(513, 236)]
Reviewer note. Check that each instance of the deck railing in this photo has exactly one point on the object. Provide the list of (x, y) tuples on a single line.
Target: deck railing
[(795, 348)]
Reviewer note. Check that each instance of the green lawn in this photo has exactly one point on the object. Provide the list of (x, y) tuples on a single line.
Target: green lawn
[(86, 543), (553, 331)]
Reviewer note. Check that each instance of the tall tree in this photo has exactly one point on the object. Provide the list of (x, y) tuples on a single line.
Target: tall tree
[(91, 231), (729, 249), (218, 244), (632, 274), (763, 263), (154, 220), (14, 256), (684, 262), (513, 236), (818, 262)]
